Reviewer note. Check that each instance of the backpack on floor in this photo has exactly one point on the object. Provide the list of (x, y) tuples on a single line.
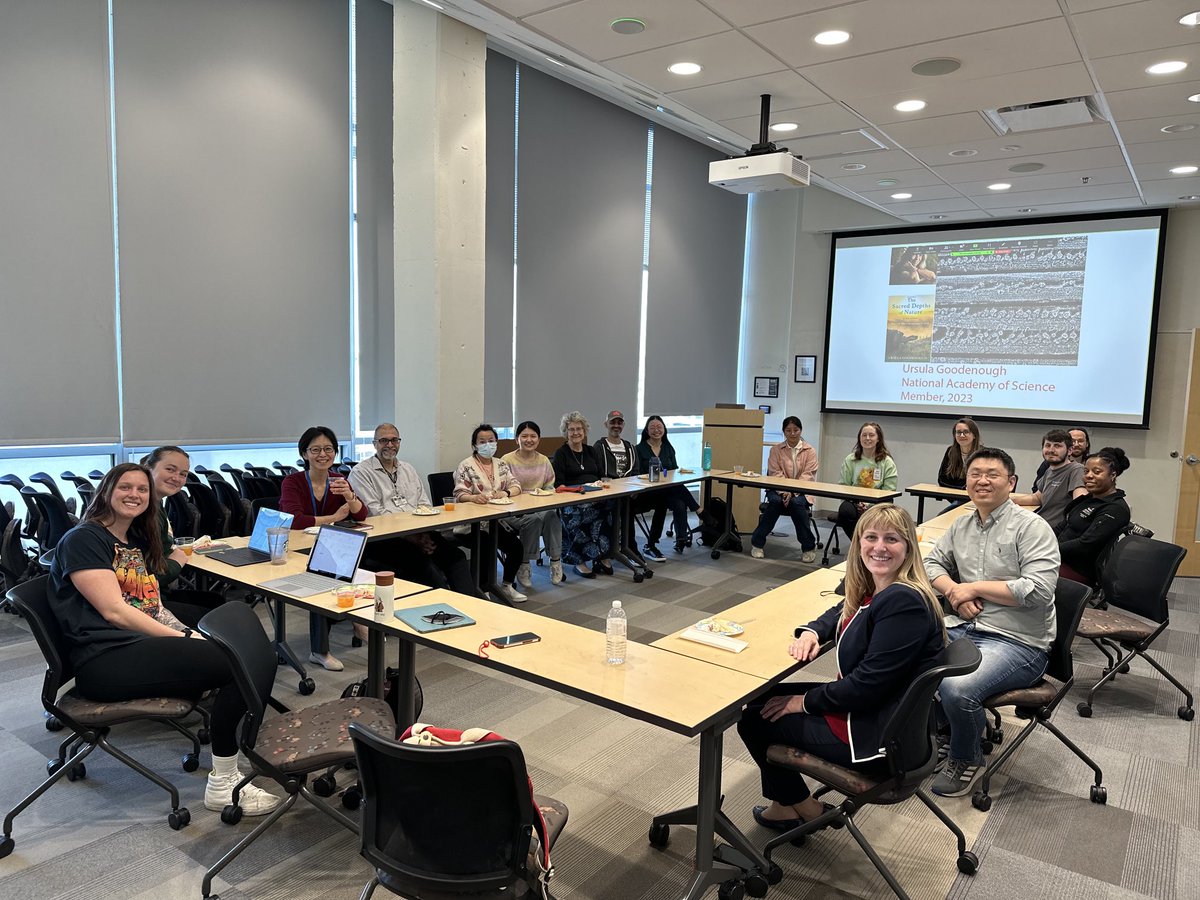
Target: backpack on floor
[(391, 692), (709, 534)]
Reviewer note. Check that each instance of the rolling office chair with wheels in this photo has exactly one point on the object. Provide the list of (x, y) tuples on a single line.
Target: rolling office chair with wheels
[(908, 739), (285, 748), (240, 515), (237, 475), (89, 721), (56, 521), (413, 829), (33, 518), (46, 481), (213, 516), (1137, 577), (1038, 702)]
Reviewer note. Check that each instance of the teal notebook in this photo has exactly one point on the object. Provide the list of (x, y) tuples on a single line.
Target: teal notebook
[(435, 617)]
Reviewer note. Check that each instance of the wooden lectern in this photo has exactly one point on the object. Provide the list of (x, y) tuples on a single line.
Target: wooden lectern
[(736, 436)]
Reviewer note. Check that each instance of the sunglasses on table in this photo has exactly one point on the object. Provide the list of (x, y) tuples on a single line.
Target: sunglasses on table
[(442, 618)]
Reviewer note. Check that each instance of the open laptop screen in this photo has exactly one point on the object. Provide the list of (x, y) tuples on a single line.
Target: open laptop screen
[(337, 552), (267, 518)]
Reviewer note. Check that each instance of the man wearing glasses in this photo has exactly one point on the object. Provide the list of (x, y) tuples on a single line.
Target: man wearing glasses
[(387, 485)]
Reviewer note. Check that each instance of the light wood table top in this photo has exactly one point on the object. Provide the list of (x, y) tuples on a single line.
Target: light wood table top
[(770, 621), (938, 525), (670, 690), (816, 488), (936, 490)]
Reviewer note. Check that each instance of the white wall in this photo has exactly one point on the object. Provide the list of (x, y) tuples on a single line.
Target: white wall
[(917, 443)]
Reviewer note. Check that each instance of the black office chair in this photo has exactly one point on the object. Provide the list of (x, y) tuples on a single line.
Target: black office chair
[(1136, 577), (85, 488), (258, 471), (33, 518), (441, 485), (48, 482), (55, 518), (213, 516), (286, 748), (239, 521), (284, 469), (17, 565), (908, 739), (1037, 703), (89, 721), (183, 516), (237, 475), (834, 544), (254, 487), (413, 828)]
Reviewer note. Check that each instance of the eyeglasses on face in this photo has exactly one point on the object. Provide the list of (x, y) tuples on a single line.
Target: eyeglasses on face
[(394, 440), (961, 433), (321, 451), (441, 617)]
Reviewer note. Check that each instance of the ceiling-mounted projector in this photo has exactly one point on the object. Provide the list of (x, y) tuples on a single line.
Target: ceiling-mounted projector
[(764, 167)]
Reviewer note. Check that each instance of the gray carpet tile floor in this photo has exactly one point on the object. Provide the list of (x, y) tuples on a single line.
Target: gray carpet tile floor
[(106, 836)]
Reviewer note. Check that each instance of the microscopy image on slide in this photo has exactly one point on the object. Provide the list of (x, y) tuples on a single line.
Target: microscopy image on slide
[(909, 328), (1017, 302), (913, 265)]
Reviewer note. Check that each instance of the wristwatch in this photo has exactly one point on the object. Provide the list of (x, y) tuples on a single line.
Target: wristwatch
[(187, 632)]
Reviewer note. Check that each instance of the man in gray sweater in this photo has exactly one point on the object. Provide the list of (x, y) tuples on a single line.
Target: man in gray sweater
[(998, 569)]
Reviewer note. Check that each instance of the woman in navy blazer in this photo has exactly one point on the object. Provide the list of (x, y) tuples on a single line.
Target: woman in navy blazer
[(888, 630)]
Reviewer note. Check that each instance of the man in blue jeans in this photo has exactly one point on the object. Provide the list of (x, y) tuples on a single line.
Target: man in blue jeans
[(998, 569)]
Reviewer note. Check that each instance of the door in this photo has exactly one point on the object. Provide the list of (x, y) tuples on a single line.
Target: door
[(1187, 512)]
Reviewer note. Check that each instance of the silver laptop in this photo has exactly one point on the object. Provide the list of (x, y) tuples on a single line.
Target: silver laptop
[(334, 560)]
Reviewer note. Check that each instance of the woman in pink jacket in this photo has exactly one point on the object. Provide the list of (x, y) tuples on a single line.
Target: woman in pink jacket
[(790, 458)]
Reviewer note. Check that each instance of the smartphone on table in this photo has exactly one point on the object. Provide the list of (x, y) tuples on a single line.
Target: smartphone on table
[(515, 640)]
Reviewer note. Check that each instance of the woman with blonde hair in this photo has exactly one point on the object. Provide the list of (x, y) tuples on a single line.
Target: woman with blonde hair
[(586, 527), (888, 631)]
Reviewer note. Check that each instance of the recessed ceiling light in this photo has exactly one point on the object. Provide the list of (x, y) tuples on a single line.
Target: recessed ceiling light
[(1011, 148), (854, 167), (909, 106), (1195, 98), (1192, 18), (1185, 170), (1170, 67), (829, 38), (937, 217), (887, 182), (961, 153), (1191, 197), (628, 26), (999, 186), (684, 68), (902, 196), (1027, 209), (784, 126), (1027, 167), (1178, 129), (941, 65)]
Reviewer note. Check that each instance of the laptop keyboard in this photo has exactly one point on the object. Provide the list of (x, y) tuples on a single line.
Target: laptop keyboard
[(307, 582)]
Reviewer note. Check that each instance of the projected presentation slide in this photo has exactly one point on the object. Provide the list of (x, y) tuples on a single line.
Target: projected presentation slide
[(1042, 322)]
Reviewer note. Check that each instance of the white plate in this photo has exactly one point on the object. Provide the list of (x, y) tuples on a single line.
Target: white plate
[(431, 512), (714, 625), (501, 501), (540, 492), (748, 475)]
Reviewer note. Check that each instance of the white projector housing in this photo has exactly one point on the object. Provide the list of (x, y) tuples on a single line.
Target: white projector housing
[(763, 172)]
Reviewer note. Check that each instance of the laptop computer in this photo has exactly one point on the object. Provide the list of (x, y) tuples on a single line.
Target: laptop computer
[(257, 551), (334, 560)]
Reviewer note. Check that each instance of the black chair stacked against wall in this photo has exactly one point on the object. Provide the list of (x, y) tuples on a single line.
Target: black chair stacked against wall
[(1136, 578), (56, 520), (911, 755), (90, 722), (286, 748), (1038, 702), (83, 486), (413, 831)]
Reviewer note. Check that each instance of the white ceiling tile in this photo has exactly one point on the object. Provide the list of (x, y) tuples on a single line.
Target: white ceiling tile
[(883, 196), (1134, 26), (927, 207), (845, 142), (997, 170), (584, 26), (1076, 6), (867, 181), (1037, 181), (1048, 209), (1142, 131), (517, 8), (1166, 153), (1032, 144), (880, 160), (737, 98), (974, 214), (724, 56), (932, 131), (1159, 100), (1001, 52), (881, 25), (751, 12), (828, 117), (1169, 191), (1123, 73), (1081, 194)]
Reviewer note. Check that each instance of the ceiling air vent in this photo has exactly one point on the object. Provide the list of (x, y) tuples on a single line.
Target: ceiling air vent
[(1044, 115)]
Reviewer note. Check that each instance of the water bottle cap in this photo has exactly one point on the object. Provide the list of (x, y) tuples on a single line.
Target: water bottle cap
[(616, 604)]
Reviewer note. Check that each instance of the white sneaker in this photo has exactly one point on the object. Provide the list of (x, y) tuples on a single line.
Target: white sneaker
[(326, 661), (254, 801), (556, 571), (808, 556), (757, 553), (524, 576), (509, 592)]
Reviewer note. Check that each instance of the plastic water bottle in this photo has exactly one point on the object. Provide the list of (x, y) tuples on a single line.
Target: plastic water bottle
[(615, 629), (706, 457)]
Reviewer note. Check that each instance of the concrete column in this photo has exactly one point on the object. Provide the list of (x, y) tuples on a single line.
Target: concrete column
[(440, 185)]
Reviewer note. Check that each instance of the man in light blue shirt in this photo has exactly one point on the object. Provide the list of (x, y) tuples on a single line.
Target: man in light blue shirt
[(998, 569)]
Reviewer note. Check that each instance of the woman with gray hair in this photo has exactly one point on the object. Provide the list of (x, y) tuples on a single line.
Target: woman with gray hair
[(587, 527)]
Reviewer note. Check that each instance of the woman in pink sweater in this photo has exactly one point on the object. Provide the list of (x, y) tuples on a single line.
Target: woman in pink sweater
[(790, 458)]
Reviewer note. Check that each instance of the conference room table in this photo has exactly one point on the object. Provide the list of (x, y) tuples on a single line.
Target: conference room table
[(934, 492), (653, 685)]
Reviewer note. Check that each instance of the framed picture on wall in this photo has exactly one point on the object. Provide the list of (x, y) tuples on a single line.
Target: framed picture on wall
[(806, 369), (766, 387)]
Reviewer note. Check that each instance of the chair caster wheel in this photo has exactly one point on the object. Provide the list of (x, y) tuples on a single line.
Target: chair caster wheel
[(799, 840), (731, 890), (1124, 670), (716, 554), (77, 772), (774, 874), (981, 801), (204, 737), (179, 818), (324, 786), (756, 884), (1186, 713), (53, 765), (660, 835), (968, 863), (638, 577), (987, 747), (1085, 710), (306, 686), (1099, 794), (649, 573), (231, 814), (6, 846), (352, 798), (52, 724), (191, 762)]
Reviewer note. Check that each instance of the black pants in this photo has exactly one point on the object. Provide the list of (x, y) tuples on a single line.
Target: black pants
[(446, 567), (193, 603), (168, 667), (848, 516), (496, 537), (676, 498), (809, 733)]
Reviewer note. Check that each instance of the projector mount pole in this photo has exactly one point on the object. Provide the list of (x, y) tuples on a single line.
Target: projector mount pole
[(764, 121)]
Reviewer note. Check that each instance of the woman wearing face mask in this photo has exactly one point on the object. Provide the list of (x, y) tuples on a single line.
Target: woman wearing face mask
[(533, 470), (481, 478)]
